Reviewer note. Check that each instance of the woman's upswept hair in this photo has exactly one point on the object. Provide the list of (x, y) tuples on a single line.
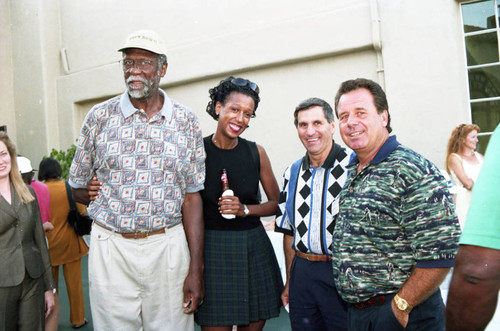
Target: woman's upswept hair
[(228, 85), (457, 139), (15, 175)]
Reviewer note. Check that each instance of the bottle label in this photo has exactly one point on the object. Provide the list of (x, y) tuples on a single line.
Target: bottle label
[(223, 178), (228, 216), (227, 192)]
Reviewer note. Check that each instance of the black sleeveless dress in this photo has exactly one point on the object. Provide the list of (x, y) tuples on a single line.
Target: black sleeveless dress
[(242, 278), (243, 175)]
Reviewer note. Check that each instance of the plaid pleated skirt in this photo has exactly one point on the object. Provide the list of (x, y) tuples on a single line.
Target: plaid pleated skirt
[(242, 278)]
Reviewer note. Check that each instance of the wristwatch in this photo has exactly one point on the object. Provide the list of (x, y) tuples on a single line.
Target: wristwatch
[(245, 210), (402, 304)]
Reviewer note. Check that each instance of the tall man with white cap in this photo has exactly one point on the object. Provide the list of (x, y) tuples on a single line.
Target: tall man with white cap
[(146, 256)]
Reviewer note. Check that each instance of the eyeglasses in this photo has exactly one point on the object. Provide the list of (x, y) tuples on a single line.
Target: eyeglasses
[(142, 65), (245, 82)]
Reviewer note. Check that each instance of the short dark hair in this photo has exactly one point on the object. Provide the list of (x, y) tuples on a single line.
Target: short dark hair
[(49, 168), (379, 97), (220, 93), (310, 103), (28, 177)]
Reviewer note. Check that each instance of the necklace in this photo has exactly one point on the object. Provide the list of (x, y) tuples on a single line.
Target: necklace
[(234, 142)]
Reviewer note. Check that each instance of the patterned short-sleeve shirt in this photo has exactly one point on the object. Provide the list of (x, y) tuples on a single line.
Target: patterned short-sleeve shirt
[(146, 164), (312, 201), (395, 214)]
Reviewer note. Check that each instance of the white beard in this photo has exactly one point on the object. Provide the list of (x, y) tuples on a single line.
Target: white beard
[(139, 94), (143, 93)]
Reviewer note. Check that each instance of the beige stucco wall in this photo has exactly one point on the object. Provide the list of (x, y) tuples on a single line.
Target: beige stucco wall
[(7, 115), (293, 49), (426, 80), (28, 76)]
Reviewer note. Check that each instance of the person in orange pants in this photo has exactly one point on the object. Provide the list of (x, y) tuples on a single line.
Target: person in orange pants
[(66, 248)]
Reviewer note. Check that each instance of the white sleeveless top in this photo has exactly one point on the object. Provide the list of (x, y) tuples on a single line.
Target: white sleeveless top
[(463, 196)]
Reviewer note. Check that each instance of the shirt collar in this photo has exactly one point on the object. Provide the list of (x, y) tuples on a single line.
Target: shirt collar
[(389, 145), (128, 108), (330, 159)]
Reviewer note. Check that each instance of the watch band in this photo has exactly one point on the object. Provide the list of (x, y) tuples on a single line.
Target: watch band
[(245, 210)]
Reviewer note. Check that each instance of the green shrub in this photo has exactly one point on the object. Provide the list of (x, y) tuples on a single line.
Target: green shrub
[(65, 158)]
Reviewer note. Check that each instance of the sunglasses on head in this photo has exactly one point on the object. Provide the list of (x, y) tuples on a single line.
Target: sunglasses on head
[(245, 82)]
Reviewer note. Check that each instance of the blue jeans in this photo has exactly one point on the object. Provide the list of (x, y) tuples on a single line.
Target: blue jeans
[(315, 304), (428, 316)]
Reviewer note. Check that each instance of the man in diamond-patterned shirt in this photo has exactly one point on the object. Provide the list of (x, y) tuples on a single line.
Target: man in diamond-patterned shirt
[(306, 216)]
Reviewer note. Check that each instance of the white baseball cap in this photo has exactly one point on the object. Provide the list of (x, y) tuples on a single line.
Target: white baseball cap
[(24, 165), (145, 39)]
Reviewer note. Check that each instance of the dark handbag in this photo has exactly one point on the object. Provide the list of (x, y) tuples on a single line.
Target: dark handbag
[(80, 223)]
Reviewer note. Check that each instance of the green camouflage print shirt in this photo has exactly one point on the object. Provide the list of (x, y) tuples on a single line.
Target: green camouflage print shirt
[(395, 214)]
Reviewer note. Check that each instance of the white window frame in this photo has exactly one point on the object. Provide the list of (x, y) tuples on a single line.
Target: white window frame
[(468, 67)]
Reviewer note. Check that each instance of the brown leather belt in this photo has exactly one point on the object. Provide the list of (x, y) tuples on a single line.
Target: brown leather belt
[(141, 234), (313, 257), (375, 301)]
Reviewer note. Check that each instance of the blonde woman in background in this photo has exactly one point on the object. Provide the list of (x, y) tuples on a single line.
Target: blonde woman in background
[(26, 280), (463, 164)]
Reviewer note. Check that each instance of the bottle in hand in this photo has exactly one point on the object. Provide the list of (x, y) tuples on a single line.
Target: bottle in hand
[(226, 191)]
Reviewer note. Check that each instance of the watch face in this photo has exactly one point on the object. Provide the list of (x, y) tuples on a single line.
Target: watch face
[(402, 305)]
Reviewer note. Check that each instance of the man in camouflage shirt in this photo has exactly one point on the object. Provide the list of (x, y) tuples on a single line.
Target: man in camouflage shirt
[(397, 233)]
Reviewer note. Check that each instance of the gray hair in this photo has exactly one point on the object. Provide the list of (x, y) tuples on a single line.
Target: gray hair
[(162, 59), (313, 102)]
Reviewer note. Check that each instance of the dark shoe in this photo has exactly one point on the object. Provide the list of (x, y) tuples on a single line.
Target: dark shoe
[(77, 326)]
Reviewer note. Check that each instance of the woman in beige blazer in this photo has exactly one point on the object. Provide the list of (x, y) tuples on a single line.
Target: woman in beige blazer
[(26, 280)]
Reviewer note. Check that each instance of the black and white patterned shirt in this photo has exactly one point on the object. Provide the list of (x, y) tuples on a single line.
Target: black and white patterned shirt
[(309, 201)]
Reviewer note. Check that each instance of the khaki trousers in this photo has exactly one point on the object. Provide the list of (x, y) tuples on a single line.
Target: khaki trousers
[(136, 284)]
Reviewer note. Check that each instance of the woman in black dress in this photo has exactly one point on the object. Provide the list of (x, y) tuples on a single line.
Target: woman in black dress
[(242, 279)]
